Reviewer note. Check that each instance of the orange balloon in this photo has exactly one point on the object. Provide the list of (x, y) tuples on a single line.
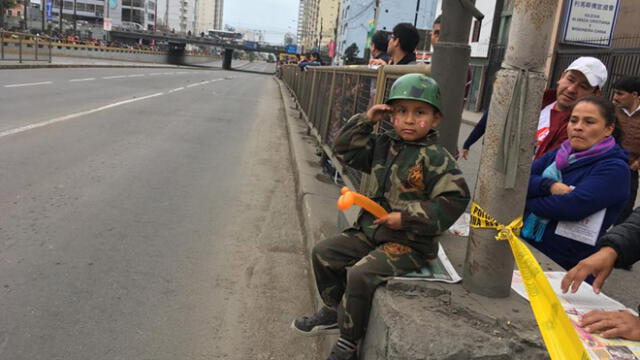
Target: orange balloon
[(349, 198)]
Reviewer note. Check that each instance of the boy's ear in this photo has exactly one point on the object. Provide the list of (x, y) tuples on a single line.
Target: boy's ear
[(437, 118)]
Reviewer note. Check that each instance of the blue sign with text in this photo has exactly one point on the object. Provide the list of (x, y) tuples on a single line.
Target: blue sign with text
[(291, 49)]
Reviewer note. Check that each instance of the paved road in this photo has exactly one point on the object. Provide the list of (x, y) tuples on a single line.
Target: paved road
[(147, 215)]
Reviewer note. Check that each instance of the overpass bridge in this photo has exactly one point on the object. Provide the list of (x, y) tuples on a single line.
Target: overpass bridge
[(178, 42)]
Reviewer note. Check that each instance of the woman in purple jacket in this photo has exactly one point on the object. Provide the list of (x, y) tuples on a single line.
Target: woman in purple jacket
[(577, 191)]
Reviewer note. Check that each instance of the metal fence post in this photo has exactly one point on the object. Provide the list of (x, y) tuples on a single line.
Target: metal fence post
[(50, 46), (20, 49), (2, 44), (36, 45)]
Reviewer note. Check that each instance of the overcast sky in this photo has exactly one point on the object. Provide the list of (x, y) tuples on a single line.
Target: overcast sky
[(275, 17)]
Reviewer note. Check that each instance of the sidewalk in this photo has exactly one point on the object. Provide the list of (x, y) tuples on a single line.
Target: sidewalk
[(414, 319)]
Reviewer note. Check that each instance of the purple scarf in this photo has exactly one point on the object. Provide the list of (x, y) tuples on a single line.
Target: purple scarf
[(566, 155)]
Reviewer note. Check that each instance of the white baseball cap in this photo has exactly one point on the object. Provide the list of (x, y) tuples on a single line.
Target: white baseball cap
[(592, 68)]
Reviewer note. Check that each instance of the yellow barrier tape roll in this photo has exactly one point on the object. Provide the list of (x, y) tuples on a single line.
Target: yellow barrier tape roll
[(559, 335)]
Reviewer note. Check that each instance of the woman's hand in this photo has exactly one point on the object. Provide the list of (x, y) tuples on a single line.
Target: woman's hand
[(392, 221), (377, 62), (635, 165), (378, 111), (612, 324), (559, 188)]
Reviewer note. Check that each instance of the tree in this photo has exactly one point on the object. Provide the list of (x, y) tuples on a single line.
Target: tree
[(4, 6), (350, 54), (252, 56)]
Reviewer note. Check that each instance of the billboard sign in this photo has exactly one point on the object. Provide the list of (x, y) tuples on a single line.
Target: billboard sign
[(107, 24), (291, 49), (49, 9), (590, 23)]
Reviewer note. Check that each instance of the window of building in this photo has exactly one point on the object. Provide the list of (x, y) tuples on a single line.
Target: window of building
[(68, 5), (475, 35)]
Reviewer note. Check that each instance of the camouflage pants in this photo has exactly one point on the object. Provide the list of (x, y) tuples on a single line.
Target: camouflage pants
[(351, 291)]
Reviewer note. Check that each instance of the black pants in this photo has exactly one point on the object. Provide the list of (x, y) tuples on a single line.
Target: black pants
[(628, 208)]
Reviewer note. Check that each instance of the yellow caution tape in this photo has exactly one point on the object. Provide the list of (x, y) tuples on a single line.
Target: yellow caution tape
[(559, 335)]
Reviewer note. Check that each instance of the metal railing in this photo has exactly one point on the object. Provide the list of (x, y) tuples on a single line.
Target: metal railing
[(329, 95), (28, 47)]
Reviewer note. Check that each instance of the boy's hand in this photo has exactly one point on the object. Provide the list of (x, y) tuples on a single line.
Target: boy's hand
[(378, 111), (392, 220)]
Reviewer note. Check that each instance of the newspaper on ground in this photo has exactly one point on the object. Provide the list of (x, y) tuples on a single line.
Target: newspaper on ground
[(580, 303), (461, 226), (439, 269)]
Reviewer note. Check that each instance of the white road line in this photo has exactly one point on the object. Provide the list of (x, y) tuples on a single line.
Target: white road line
[(176, 89), (72, 116), (115, 77), (29, 84), (192, 85), (78, 80), (168, 73), (182, 72), (135, 75), (154, 74)]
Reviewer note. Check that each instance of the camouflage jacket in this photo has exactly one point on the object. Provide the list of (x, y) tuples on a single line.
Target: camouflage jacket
[(420, 179)]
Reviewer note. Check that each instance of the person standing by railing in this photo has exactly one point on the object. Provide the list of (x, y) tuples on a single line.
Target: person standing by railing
[(378, 48), (401, 46)]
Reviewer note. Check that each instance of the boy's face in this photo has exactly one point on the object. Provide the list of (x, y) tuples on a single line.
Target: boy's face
[(413, 119)]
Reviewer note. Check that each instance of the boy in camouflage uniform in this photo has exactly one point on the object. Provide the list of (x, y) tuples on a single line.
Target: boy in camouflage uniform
[(416, 180)]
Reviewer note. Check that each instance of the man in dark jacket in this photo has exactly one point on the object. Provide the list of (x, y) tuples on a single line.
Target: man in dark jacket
[(402, 46), (379, 43), (620, 248)]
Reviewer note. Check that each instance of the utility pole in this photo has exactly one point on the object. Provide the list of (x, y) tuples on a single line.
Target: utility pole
[(415, 21), (60, 17), (74, 17), (505, 164), (449, 65), (43, 5), (26, 17)]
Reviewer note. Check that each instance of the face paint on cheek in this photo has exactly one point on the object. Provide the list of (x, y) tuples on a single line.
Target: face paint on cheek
[(422, 124)]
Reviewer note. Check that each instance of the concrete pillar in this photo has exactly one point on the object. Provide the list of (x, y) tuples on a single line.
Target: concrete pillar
[(449, 68), (489, 263), (176, 54), (228, 57)]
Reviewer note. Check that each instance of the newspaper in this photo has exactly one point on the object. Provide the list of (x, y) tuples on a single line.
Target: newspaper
[(580, 303), (439, 269)]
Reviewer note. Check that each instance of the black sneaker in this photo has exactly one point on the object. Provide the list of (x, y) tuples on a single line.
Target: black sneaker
[(338, 353), (325, 321)]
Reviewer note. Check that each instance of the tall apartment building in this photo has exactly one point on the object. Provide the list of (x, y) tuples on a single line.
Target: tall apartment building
[(317, 21), (176, 15), (327, 22), (308, 12), (208, 15)]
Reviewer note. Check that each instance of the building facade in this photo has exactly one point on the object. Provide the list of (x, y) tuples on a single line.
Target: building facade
[(208, 15), (308, 15)]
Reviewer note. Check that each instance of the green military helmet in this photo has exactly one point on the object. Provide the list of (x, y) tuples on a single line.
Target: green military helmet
[(417, 87)]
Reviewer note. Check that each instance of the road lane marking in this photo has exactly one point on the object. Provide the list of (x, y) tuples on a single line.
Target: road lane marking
[(154, 74), (78, 80), (176, 89), (192, 85), (182, 72), (73, 116), (115, 77), (29, 84), (168, 73), (135, 75)]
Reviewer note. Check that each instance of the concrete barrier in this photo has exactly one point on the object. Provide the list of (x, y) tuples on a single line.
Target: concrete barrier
[(11, 48)]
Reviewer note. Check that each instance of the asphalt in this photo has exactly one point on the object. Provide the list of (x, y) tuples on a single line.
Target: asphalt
[(147, 227)]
